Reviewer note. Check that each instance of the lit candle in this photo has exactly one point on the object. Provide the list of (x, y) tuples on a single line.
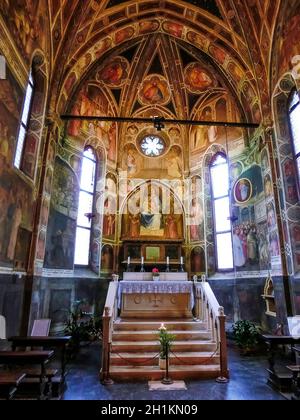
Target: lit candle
[(163, 328)]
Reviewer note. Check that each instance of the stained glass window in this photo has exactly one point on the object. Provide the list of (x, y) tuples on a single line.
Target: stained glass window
[(24, 125), (153, 146), (294, 113), (221, 203), (85, 208)]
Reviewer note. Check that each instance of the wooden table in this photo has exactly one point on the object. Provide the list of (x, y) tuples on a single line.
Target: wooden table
[(280, 381), (23, 358), (47, 343), (9, 383)]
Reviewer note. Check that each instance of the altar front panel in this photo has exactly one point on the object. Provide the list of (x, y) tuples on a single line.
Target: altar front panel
[(158, 300), (157, 306)]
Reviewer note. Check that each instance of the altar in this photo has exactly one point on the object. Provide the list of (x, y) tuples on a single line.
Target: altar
[(156, 299)]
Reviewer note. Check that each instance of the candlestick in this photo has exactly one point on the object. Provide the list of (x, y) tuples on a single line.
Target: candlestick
[(142, 265), (168, 265), (182, 265), (128, 265)]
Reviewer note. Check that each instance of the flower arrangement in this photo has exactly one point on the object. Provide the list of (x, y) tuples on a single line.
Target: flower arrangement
[(155, 272), (166, 340)]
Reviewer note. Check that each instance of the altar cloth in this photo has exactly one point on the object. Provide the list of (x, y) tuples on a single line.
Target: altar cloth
[(150, 287)]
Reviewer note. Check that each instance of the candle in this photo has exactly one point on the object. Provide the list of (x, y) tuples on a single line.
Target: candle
[(168, 260), (163, 328), (143, 260), (128, 261), (181, 260)]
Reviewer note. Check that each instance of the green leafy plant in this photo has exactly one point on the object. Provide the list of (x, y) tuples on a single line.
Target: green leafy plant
[(166, 340), (82, 326), (246, 335)]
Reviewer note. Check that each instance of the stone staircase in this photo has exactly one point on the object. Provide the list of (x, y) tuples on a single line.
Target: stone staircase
[(135, 345)]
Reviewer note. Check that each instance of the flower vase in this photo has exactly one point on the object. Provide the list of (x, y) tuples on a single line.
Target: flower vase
[(155, 278), (162, 364)]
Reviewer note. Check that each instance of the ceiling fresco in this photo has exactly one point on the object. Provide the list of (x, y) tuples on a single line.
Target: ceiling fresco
[(233, 35)]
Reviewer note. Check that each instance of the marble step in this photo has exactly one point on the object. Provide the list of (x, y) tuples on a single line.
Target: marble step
[(147, 359), (153, 346), (153, 373), (126, 325), (153, 335)]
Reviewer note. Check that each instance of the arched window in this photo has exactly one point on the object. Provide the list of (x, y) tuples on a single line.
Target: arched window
[(294, 114), (24, 125), (221, 205), (85, 208)]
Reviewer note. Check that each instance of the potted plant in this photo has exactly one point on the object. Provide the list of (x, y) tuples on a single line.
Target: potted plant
[(166, 340), (246, 335), (155, 274)]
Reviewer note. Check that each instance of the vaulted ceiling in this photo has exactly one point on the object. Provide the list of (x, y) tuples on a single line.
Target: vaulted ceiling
[(232, 35)]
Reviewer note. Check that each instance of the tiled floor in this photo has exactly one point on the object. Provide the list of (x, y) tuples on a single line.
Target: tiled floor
[(248, 382)]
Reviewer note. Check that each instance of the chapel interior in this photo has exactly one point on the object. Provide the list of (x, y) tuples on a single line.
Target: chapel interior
[(149, 178)]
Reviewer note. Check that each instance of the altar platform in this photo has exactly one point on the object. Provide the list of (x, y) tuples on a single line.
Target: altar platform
[(170, 297)]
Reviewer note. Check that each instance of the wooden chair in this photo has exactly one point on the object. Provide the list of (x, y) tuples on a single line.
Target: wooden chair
[(41, 328)]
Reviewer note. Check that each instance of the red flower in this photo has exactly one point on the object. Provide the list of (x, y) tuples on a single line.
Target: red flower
[(155, 271)]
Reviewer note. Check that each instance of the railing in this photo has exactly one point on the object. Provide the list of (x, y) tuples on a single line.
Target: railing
[(109, 317), (209, 311)]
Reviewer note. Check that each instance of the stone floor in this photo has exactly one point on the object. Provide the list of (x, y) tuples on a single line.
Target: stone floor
[(248, 382)]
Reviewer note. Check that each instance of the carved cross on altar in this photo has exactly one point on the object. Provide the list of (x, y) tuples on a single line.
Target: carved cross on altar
[(156, 300)]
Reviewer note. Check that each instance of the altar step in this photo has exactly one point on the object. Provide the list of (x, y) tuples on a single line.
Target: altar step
[(135, 346), (154, 325), (188, 358), (153, 346), (152, 335), (153, 373)]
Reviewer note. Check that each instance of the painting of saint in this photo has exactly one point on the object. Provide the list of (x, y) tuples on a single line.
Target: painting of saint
[(198, 264), (268, 186), (107, 259), (238, 248), (274, 244), (196, 39), (148, 26), (154, 91), (196, 220), (109, 219), (115, 73), (134, 226), (265, 160), (174, 163), (271, 218), (243, 191), (289, 43), (173, 28), (151, 215), (171, 227), (124, 35), (197, 78)]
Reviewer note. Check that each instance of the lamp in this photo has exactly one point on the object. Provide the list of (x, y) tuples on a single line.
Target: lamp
[(159, 123)]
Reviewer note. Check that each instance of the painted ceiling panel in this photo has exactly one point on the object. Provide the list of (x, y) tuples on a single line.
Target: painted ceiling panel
[(208, 5)]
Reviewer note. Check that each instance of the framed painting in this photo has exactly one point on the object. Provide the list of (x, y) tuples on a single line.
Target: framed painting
[(243, 191)]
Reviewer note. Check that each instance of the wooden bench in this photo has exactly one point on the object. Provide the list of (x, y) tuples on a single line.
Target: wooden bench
[(296, 389), (281, 380), (12, 359), (49, 343), (9, 383)]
